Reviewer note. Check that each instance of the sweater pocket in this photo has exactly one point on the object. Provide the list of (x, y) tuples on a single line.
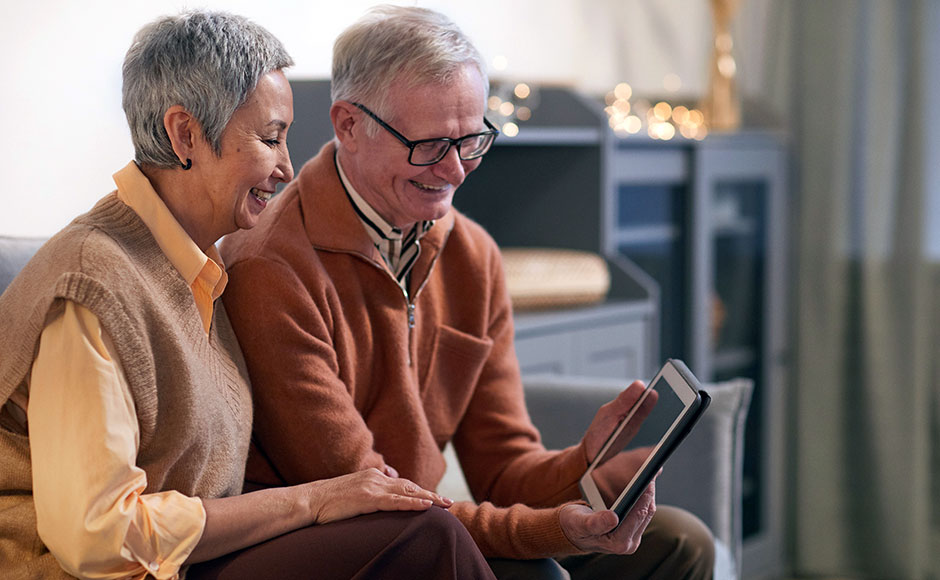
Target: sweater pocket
[(451, 377)]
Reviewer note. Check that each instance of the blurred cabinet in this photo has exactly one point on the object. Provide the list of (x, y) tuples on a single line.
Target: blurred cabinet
[(611, 340), (707, 221)]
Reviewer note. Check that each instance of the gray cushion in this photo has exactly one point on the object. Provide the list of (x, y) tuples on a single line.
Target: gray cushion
[(14, 253)]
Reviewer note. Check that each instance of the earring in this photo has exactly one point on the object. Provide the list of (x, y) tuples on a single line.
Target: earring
[(188, 165)]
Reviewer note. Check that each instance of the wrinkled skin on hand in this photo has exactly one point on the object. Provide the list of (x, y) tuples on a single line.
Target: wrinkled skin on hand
[(598, 531), (368, 491)]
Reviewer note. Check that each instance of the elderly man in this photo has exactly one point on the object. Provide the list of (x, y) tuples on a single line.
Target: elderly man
[(377, 327)]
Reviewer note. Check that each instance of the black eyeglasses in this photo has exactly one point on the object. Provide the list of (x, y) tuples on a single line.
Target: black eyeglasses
[(430, 151)]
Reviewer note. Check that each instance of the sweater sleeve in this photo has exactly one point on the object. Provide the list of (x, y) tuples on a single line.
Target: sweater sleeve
[(97, 522), (517, 532)]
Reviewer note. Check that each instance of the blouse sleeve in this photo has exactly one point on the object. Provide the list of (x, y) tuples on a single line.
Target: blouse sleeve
[(91, 511)]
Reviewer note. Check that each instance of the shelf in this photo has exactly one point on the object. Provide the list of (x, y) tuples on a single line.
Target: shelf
[(611, 340), (534, 321), (735, 227), (727, 359), (576, 136), (646, 235)]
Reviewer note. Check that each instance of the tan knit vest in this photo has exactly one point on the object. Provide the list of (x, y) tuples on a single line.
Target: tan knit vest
[(190, 391)]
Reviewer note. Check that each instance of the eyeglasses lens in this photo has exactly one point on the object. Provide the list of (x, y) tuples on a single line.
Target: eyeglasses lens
[(430, 152)]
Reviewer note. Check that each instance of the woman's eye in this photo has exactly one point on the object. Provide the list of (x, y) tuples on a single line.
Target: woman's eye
[(272, 142)]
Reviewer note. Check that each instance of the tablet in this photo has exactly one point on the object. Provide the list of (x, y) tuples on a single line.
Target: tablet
[(634, 453)]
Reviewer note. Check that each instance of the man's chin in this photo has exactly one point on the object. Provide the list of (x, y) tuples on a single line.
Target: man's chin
[(438, 210)]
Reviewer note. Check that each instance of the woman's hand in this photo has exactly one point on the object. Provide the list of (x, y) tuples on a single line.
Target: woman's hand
[(233, 523), (365, 492)]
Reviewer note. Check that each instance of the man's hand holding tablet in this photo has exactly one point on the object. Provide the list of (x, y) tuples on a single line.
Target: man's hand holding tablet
[(629, 440)]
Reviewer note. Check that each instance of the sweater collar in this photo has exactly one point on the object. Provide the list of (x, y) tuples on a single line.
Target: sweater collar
[(332, 223)]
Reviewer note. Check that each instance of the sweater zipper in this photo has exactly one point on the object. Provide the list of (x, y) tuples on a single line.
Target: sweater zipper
[(410, 305)]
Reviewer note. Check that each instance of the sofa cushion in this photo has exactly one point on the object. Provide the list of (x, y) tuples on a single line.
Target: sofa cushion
[(14, 253)]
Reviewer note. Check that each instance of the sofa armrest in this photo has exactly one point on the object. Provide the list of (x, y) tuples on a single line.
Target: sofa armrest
[(704, 474)]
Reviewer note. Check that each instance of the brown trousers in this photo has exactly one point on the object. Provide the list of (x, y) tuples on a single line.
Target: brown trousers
[(386, 545)]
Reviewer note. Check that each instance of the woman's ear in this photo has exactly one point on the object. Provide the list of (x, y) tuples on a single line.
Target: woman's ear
[(345, 116), (182, 129)]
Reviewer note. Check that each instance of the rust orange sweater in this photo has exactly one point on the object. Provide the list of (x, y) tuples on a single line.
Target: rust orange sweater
[(348, 372)]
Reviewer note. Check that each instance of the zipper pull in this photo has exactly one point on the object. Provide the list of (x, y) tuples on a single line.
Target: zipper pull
[(411, 315)]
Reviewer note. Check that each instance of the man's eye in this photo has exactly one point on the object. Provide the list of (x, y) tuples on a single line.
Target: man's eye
[(429, 146)]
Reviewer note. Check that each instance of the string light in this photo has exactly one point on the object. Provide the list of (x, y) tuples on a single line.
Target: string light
[(662, 120), (510, 129), (623, 91), (510, 103)]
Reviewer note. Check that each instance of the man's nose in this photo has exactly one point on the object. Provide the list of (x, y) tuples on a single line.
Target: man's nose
[(451, 167)]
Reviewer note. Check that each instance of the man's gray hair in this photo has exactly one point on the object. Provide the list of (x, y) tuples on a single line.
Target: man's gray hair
[(207, 62), (390, 42)]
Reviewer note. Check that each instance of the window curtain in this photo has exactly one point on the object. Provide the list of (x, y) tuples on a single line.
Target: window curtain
[(865, 439)]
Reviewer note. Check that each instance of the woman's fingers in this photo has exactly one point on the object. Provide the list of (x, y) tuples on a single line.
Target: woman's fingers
[(369, 491)]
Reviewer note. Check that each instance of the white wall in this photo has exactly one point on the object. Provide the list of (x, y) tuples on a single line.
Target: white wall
[(61, 71)]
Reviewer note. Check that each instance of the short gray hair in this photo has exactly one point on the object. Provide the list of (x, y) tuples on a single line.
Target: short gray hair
[(389, 42), (207, 62)]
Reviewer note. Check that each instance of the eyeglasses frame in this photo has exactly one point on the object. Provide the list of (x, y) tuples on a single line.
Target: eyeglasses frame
[(491, 130)]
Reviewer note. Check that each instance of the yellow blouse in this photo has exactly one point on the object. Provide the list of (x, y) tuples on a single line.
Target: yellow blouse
[(91, 510)]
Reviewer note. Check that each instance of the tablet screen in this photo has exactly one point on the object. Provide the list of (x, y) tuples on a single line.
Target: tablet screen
[(617, 473)]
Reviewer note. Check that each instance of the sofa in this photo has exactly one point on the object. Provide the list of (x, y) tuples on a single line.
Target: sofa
[(14, 253), (703, 476)]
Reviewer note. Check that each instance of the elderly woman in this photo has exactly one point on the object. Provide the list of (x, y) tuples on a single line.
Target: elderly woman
[(125, 409)]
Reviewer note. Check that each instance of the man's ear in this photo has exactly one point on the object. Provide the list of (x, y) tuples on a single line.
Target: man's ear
[(345, 117), (182, 129)]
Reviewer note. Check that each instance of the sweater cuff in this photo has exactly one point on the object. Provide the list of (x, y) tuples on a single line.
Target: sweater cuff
[(545, 530), (517, 532)]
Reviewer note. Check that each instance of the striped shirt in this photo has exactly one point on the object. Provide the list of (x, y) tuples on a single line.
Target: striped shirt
[(399, 249)]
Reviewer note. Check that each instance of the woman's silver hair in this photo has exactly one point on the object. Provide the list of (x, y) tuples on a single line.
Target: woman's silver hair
[(207, 62), (398, 42)]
